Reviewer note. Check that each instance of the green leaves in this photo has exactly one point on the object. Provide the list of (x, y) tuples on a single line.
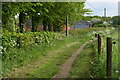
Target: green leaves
[(46, 10), (21, 40), (53, 13), (116, 20)]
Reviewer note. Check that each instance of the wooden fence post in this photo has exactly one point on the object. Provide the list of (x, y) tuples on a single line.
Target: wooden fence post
[(99, 44), (109, 57), (67, 26), (96, 35)]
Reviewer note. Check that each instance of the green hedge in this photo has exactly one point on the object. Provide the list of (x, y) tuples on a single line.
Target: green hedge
[(22, 40)]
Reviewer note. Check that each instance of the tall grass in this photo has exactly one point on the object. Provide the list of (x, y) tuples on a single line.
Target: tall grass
[(100, 63)]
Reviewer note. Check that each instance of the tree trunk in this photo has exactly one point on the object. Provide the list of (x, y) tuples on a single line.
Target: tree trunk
[(55, 28), (50, 27), (34, 28), (44, 25), (21, 21)]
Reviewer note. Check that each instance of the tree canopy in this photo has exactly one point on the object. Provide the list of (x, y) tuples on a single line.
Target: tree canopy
[(116, 20), (50, 13)]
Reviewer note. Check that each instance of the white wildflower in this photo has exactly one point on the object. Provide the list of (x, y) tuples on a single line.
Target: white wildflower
[(1, 47), (94, 32), (116, 71)]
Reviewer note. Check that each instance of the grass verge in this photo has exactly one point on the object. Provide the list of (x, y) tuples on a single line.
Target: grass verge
[(81, 67), (100, 63)]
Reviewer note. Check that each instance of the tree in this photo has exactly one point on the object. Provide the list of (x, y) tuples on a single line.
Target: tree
[(51, 13), (10, 9), (116, 20), (95, 20)]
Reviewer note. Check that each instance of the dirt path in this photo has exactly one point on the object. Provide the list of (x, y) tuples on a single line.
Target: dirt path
[(65, 68), (22, 72)]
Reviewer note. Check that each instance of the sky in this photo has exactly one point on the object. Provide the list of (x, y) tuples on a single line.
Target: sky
[(97, 6)]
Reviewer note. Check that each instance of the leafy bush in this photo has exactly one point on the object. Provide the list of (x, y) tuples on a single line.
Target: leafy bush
[(22, 40), (100, 25), (81, 33), (25, 40)]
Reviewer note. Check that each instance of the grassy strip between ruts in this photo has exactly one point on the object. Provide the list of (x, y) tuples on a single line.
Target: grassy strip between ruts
[(51, 67), (82, 66)]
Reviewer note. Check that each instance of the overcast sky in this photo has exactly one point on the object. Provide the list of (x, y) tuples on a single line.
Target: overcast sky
[(97, 6)]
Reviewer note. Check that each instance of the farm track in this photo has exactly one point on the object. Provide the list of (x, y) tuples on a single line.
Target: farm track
[(24, 71), (65, 68)]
